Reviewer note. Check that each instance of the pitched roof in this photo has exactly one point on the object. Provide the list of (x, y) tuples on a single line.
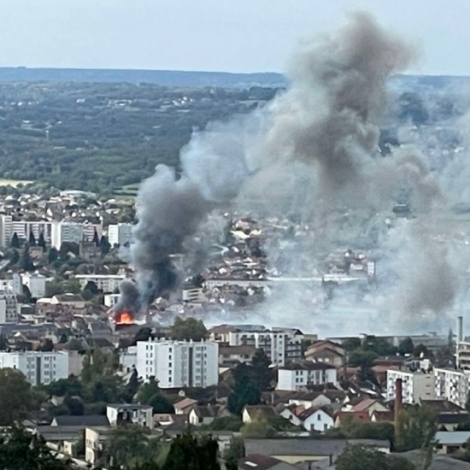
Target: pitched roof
[(265, 410), (307, 365), (185, 403), (361, 416), (440, 406), (68, 298), (384, 415), (364, 404), (257, 462), (208, 411), (86, 420)]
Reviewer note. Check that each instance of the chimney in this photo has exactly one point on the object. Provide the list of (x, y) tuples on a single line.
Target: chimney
[(398, 398), (459, 329)]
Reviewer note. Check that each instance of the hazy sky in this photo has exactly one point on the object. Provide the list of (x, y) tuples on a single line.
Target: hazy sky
[(227, 35)]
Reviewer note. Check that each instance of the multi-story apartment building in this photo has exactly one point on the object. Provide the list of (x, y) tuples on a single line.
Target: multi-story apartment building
[(294, 376), (38, 367), (452, 385), (280, 345), (73, 232), (23, 229), (120, 234), (107, 283), (416, 386), (8, 307), (463, 355), (111, 300), (178, 363), (125, 413), (36, 283)]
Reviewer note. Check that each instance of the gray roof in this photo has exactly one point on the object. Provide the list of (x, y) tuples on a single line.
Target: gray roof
[(86, 420), (306, 446), (452, 437)]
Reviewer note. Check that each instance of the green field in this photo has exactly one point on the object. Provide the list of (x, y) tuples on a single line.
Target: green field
[(13, 183)]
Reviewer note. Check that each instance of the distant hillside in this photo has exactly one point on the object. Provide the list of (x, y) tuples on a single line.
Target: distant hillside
[(175, 78), (172, 78)]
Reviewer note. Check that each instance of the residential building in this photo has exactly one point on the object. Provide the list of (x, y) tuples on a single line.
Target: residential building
[(125, 413), (232, 355), (8, 307), (296, 376), (463, 355), (39, 368), (319, 420), (193, 295), (416, 386), (220, 333), (71, 300), (107, 283), (452, 385), (23, 229), (178, 363), (184, 406), (280, 345), (326, 351), (203, 415), (120, 234), (111, 300), (36, 283), (73, 232), (128, 359)]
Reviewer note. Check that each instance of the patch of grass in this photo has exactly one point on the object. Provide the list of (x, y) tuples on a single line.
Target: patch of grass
[(13, 183)]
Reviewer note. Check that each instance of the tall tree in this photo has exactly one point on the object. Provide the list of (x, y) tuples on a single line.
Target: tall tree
[(357, 457), (42, 241), (96, 239), (26, 262), (22, 449), (15, 241), (261, 365), (16, 397), (415, 429), (189, 329), (406, 346), (245, 392), (52, 255), (105, 245), (128, 445), (190, 453), (32, 239)]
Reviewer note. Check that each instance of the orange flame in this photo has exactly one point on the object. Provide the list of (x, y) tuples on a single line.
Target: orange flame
[(124, 318)]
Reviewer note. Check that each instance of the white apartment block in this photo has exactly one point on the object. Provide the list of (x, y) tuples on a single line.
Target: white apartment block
[(74, 232), (179, 363), (12, 285), (281, 346), (36, 283), (111, 300), (124, 413), (452, 385), (104, 282), (120, 234), (38, 367), (463, 355), (23, 229), (296, 376), (416, 386)]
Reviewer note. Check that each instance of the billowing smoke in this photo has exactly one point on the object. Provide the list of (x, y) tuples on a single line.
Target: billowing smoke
[(169, 210), (312, 151)]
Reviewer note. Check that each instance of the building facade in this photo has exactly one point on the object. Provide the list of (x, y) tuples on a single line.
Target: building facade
[(39, 368), (8, 307), (178, 363), (73, 232), (452, 385), (120, 234), (281, 346), (296, 376), (36, 283), (416, 386), (107, 283)]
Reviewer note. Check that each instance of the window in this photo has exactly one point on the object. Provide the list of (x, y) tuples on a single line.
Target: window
[(319, 417)]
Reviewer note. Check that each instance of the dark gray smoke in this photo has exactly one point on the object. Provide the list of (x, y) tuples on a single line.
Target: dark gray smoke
[(328, 118), (169, 210)]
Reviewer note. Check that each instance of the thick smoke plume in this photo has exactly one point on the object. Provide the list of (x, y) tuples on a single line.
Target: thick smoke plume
[(313, 152), (169, 210)]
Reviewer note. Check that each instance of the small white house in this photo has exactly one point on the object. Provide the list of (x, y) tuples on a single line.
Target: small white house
[(131, 414), (296, 376), (316, 420)]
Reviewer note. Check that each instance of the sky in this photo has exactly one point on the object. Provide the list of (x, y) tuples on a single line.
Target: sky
[(215, 35)]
